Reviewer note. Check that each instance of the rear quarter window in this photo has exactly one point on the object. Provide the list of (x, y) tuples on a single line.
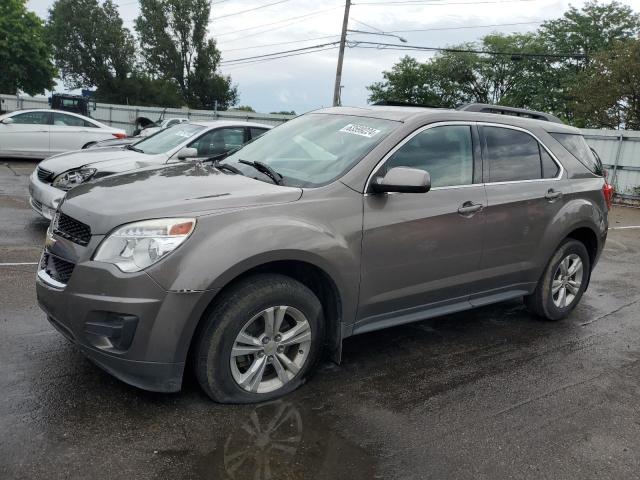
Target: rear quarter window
[(576, 145)]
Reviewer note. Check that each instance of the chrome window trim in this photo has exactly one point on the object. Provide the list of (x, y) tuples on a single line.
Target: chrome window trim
[(479, 124), (540, 142), (407, 139)]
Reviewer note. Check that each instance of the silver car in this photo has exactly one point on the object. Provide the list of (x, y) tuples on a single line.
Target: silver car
[(54, 176), (339, 222)]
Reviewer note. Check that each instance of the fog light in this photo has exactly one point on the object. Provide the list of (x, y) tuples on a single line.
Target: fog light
[(111, 330)]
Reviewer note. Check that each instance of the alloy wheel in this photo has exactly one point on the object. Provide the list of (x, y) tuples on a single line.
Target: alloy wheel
[(567, 281), (270, 350)]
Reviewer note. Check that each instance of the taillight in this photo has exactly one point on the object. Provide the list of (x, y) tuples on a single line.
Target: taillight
[(608, 191), (119, 135)]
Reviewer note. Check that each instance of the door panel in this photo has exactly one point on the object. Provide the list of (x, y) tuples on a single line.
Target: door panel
[(418, 249), (27, 136), (517, 217)]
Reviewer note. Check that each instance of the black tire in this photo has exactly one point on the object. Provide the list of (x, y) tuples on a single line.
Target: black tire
[(87, 145), (232, 311), (541, 301)]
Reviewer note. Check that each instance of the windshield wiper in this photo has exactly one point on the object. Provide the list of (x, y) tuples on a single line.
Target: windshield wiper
[(226, 166), (221, 156), (265, 169), (131, 147)]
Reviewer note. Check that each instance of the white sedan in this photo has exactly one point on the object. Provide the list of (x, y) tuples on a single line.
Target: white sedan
[(54, 176), (42, 133)]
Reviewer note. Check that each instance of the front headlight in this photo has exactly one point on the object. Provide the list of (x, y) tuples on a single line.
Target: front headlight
[(135, 246), (68, 180)]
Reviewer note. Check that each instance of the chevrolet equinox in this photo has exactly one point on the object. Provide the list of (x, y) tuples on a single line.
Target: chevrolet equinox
[(339, 222)]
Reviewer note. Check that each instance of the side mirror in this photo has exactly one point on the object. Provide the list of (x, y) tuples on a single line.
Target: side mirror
[(187, 152), (8, 121), (404, 180)]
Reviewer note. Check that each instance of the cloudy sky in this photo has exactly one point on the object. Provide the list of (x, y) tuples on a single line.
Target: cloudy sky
[(305, 82)]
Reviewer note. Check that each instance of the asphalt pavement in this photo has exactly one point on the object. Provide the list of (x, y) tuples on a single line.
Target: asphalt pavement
[(490, 393)]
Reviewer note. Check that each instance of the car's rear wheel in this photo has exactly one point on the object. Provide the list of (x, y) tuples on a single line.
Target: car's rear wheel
[(87, 145), (562, 283), (260, 341)]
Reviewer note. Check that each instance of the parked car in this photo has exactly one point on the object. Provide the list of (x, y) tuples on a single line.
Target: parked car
[(42, 133), (55, 176), (339, 222), (169, 122)]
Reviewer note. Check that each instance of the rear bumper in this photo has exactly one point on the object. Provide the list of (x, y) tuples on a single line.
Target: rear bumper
[(89, 309)]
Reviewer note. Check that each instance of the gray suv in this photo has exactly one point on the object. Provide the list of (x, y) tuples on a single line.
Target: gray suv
[(340, 222)]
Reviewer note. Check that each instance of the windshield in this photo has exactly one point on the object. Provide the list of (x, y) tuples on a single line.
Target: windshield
[(315, 149), (165, 140)]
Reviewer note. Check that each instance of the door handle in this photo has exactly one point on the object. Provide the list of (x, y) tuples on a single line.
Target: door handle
[(469, 208), (552, 195)]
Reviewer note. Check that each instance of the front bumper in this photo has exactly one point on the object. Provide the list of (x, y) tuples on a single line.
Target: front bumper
[(44, 198), (97, 295)]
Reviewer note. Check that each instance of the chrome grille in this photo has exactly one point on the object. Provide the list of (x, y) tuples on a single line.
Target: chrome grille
[(57, 268), (71, 229), (45, 175)]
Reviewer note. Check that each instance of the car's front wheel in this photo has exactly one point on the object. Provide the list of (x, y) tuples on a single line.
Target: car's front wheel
[(562, 283), (260, 341)]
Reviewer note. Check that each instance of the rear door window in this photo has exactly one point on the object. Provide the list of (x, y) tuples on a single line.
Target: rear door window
[(577, 146), (256, 132), (445, 152), (64, 120), (514, 155)]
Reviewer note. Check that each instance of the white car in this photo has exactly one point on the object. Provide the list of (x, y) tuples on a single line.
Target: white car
[(42, 133), (169, 122), (54, 176)]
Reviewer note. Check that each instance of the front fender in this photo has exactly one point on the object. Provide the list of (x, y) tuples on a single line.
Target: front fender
[(325, 232)]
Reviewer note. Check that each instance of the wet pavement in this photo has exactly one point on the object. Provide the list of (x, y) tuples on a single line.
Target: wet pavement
[(491, 393)]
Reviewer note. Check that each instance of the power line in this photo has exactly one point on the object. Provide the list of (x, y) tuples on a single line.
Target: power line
[(462, 27), (249, 10), (251, 47), (266, 55), (422, 2), (393, 46), (259, 60), (290, 19)]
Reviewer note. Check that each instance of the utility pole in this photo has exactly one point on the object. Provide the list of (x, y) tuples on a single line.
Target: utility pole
[(343, 41)]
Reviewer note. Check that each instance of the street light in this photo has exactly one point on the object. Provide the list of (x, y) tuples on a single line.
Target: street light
[(403, 40)]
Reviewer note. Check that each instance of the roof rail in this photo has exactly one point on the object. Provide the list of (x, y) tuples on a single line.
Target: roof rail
[(516, 112), (394, 103)]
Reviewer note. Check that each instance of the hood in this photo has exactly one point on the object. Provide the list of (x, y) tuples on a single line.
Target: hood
[(190, 189), (100, 158)]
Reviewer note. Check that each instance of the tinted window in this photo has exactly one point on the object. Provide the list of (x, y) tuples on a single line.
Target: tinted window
[(32, 118), (256, 132), (219, 141), (165, 140), (512, 155), (550, 169), (445, 152), (577, 146), (63, 120)]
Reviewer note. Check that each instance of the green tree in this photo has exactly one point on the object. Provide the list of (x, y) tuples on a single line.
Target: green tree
[(592, 29), (462, 75), (92, 48), (244, 108), (25, 55), (608, 91), (174, 46)]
